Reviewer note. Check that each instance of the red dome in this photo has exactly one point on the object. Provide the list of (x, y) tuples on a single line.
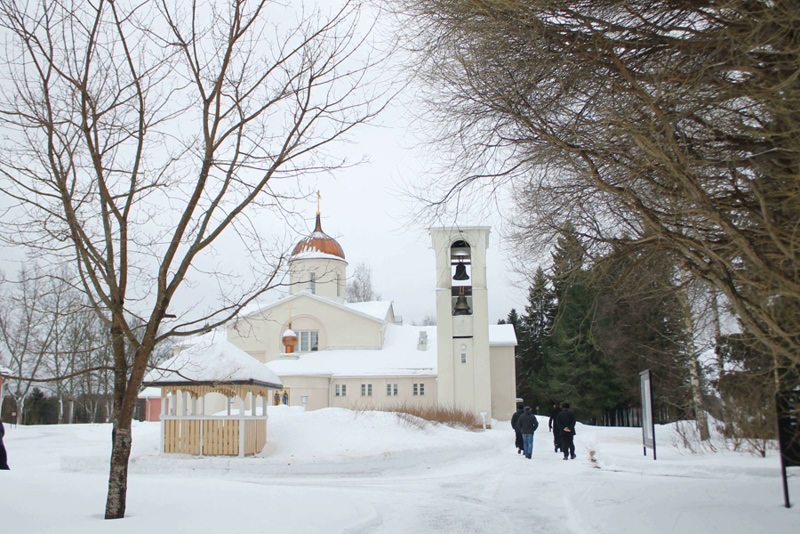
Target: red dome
[(319, 241)]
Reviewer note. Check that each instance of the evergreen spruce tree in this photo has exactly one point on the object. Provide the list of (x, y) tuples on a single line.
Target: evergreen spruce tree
[(578, 370), (532, 372), (639, 325)]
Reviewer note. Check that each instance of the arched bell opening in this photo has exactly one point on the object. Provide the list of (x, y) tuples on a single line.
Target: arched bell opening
[(461, 278)]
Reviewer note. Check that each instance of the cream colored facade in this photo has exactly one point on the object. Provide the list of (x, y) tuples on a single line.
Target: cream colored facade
[(358, 356), (338, 327)]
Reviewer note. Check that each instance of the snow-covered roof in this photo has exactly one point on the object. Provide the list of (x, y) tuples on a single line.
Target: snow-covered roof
[(150, 392), (399, 357), (315, 255), (502, 334), (204, 340), (306, 294), (221, 362), (376, 308)]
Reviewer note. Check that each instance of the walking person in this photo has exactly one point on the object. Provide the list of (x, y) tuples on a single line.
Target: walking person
[(553, 427), (566, 424), (527, 425), (517, 434), (3, 457)]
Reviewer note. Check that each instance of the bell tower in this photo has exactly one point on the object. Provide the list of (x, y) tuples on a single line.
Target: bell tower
[(462, 314)]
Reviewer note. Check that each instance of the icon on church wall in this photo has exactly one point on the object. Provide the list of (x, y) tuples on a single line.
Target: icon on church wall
[(281, 397)]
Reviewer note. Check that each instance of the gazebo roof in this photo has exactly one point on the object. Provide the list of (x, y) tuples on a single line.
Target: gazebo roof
[(213, 365)]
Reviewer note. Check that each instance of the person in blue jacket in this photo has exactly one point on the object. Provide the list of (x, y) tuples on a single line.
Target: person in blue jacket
[(527, 425)]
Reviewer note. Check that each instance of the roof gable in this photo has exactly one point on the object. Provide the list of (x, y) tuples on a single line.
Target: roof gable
[(317, 298)]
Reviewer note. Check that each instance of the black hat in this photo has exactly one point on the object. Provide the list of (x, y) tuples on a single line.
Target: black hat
[(566, 405)]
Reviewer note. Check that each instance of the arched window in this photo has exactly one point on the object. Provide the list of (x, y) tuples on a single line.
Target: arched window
[(461, 274)]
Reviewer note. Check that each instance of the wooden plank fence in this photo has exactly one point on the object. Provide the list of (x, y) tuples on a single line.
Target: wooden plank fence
[(216, 436)]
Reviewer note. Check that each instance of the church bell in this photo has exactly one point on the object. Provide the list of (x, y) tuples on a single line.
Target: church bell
[(461, 272), (462, 307)]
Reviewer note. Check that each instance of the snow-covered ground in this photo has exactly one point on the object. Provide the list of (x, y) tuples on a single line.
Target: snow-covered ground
[(334, 471)]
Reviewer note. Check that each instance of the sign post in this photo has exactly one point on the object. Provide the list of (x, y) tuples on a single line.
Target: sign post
[(648, 423), (788, 405)]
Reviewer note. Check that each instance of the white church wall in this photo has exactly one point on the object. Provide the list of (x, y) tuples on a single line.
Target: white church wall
[(504, 379), (260, 334), (313, 387), (354, 400), (329, 277)]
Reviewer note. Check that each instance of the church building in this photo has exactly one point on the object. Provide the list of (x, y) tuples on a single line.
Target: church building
[(332, 353)]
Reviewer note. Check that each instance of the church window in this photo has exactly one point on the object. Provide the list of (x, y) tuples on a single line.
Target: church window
[(366, 390), (308, 340), (313, 283), (416, 389), (390, 388), (463, 357), (419, 390), (338, 391), (338, 286), (344, 390)]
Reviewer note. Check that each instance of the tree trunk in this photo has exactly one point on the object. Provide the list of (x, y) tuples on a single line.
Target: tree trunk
[(697, 397), (717, 335), (118, 474), (20, 402), (694, 367)]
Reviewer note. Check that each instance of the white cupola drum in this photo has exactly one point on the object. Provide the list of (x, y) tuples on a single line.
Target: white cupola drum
[(317, 265)]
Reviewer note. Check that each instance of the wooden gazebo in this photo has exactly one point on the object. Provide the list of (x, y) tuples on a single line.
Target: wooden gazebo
[(189, 377)]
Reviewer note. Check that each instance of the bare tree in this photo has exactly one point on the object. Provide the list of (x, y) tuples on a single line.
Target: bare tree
[(359, 287), (26, 333), (649, 125), (139, 135), (428, 320)]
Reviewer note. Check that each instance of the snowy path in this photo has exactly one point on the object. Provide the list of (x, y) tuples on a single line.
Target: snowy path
[(334, 471)]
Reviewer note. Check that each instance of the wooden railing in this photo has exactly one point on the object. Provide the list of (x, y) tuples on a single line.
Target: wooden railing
[(214, 435)]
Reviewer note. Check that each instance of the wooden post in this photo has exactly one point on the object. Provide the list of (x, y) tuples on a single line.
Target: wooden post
[(163, 413), (241, 427)]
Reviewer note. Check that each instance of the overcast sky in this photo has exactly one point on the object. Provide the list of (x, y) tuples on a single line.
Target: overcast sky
[(366, 209)]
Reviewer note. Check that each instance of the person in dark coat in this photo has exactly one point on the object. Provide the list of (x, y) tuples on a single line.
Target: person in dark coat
[(554, 428), (3, 456), (527, 425), (566, 424), (517, 433)]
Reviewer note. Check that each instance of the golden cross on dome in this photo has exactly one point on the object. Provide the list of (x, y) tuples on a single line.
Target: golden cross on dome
[(318, 195)]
